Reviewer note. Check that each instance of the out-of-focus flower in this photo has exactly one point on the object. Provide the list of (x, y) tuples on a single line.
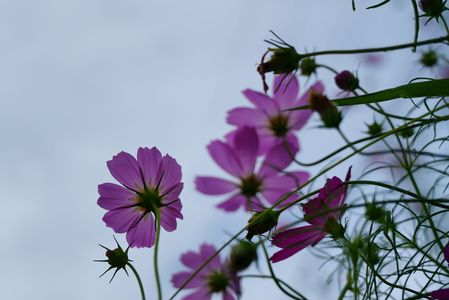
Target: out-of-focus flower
[(346, 81), (444, 72), (117, 259), (269, 117), (151, 186), (442, 294), (322, 213), (328, 112), (214, 278), (238, 157)]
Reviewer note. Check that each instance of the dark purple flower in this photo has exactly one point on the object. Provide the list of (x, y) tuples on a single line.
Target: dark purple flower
[(322, 213), (238, 157), (346, 81), (214, 278), (151, 185), (442, 294), (269, 117)]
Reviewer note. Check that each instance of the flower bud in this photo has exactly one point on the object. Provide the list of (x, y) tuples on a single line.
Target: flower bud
[(375, 213), (407, 133), (334, 228), (429, 59), (329, 113), (346, 81), (307, 66), (117, 259), (374, 128), (432, 8), (262, 222), (242, 255), (283, 60)]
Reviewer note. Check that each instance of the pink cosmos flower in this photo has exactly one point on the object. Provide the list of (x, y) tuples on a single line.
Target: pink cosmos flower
[(151, 185), (238, 158), (322, 213), (215, 277), (442, 294), (272, 123)]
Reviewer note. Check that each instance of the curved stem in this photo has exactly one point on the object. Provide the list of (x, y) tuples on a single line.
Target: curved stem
[(142, 291), (156, 250)]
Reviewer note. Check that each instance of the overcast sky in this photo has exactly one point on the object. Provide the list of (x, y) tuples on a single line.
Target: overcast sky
[(81, 80)]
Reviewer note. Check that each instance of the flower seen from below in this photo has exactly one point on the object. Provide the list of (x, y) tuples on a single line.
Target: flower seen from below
[(322, 213), (150, 188), (252, 187), (214, 278)]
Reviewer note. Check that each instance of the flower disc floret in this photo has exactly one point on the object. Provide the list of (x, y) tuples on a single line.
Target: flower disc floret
[(218, 282)]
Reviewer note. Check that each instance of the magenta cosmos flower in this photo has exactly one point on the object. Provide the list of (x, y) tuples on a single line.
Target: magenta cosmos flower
[(272, 122), (238, 158), (322, 213), (151, 185), (442, 294), (214, 278)]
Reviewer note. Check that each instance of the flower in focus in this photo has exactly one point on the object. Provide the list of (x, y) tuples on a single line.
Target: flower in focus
[(442, 294), (322, 213), (214, 278), (238, 158), (269, 117), (151, 188)]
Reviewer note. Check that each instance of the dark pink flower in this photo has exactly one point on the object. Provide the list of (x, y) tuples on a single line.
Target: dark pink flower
[(268, 117), (238, 157), (214, 278), (151, 184), (442, 294), (322, 213)]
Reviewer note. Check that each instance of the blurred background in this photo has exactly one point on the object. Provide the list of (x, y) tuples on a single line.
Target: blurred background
[(81, 80)]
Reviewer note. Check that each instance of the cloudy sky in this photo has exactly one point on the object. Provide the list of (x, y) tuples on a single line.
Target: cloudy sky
[(84, 79)]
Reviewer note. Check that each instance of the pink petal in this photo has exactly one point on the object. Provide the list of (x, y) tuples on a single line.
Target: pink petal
[(169, 215), (192, 260), (254, 204), (178, 280), (227, 296), (206, 251), (245, 116), (143, 233), (280, 156), (446, 253), (120, 220), (113, 196), (171, 174), (199, 294), (233, 203), (125, 169), (442, 294), (246, 146), (286, 89), (262, 102), (214, 186), (173, 193), (275, 187), (225, 157), (150, 162)]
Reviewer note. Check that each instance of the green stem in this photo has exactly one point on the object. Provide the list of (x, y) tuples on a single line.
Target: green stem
[(445, 24), (378, 49), (156, 251), (142, 291)]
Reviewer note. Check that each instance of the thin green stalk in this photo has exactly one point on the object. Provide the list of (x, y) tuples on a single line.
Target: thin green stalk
[(445, 24), (142, 291), (156, 251)]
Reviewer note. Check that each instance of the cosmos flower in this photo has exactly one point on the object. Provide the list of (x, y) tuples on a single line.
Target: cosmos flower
[(214, 278), (252, 185), (442, 294), (322, 213), (269, 117), (151, 185)]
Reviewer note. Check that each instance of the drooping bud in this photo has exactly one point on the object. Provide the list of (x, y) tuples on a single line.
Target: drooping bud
[(432, 8), (262, 222), (374, 128), (334, 228), (242, 255), (283, 60), (346, 81), (329, 113), (117, 259), (429, 59), (308, 66)]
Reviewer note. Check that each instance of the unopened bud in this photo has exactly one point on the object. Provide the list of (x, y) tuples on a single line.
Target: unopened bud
[(334, 228), (283, 60), (429, 59), (374, 128), (329, 113), (262, 222), (375, 213), (308, 66), (346, 81), (242, 255), (432, 8)]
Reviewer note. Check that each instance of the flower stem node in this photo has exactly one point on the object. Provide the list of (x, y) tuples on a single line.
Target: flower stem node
[(433, 8), (262, 222), (346, 81), (117, 259), (334, 228), (308, 66), (242, 255), (429, 59), (328, 112)]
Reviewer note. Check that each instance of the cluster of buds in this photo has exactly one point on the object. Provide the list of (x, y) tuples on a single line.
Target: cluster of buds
[(328, 112)]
